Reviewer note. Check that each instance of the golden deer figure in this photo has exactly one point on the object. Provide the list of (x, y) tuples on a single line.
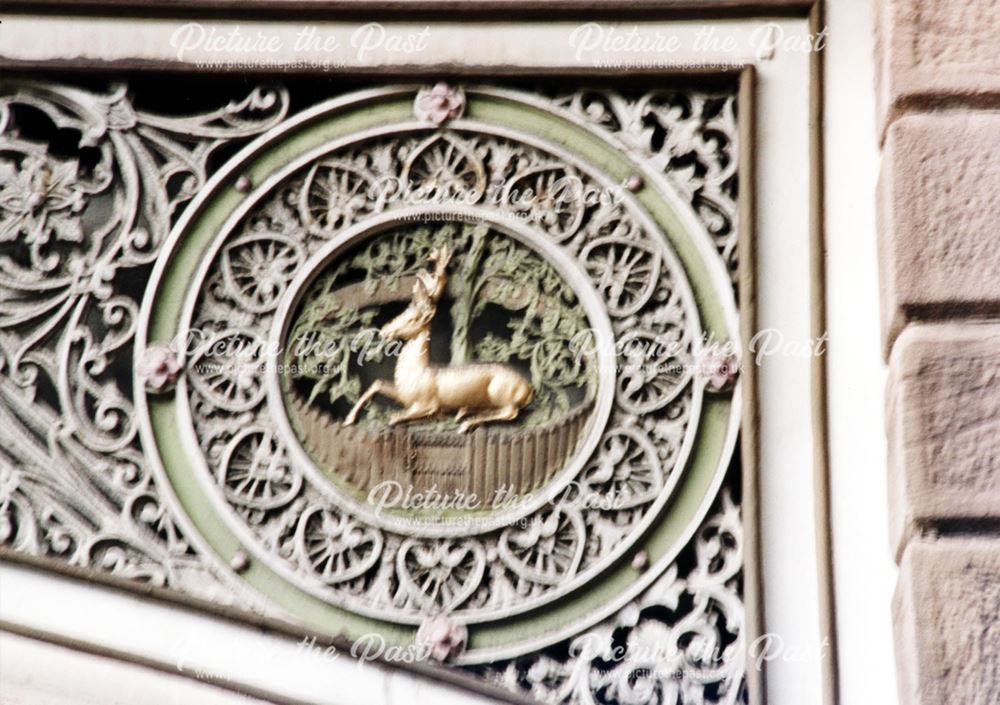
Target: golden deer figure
[(477, 392)]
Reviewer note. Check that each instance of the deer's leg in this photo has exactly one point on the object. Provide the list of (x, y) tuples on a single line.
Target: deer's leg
[(462, 413), (505, 413), (379, 386), (414, 412)]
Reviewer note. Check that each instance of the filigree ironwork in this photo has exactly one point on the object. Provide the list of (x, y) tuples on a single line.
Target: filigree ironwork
[(79, 231), (688, 135), (75, 231), (681, 642), (643, 290)]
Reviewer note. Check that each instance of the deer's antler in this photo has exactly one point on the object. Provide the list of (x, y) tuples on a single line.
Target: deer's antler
[(434, 282)]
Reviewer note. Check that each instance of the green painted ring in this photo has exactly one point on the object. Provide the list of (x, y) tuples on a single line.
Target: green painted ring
[(699, 481)]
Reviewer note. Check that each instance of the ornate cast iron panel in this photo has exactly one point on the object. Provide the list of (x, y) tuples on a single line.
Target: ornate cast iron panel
[(449, 358)]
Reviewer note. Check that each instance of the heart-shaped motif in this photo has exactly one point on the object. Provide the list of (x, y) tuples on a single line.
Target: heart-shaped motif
[(624, 271), (440, 576), (224, 370), (335, 547), (625, 471), (548, 550), (258, 268)]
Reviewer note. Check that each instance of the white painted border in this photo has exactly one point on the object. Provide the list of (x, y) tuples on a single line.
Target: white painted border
[(787, 498), (864, 570), (180, 641)]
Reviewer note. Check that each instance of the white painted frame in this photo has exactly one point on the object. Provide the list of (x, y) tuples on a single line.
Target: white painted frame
[(788, 522)]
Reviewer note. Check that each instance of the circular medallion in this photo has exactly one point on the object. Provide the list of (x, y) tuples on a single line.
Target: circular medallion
[(440, 373), (440, 367)]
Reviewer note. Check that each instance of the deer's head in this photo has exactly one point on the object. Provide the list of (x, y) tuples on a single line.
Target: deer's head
[(426, 291), (416, 318)]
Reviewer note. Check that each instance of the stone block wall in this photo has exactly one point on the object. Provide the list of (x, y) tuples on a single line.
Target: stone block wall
[(938, 97)]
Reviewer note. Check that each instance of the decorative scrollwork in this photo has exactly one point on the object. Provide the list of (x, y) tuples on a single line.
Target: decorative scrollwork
[(335, 193), (690, 136), (79, 225), (551, 196), (681, 642), (655, 370)]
